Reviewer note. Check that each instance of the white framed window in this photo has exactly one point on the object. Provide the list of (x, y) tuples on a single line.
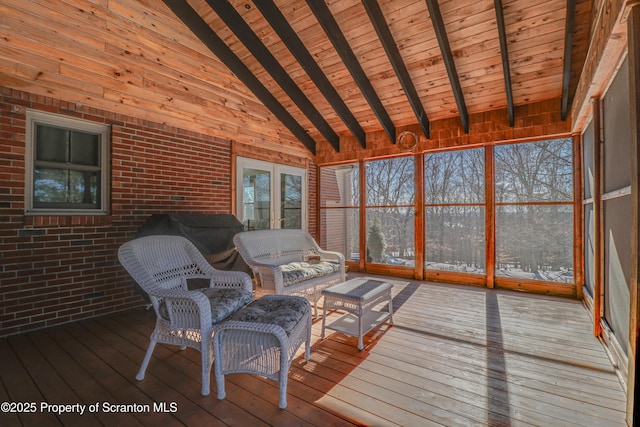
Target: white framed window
[(67, 165)]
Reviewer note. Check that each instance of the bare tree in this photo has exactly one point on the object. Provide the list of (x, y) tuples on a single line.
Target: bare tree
[(533, 236), (390, 195), (454, 195)]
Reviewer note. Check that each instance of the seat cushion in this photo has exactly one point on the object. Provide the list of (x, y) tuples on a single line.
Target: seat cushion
[(296, 272), (282, 310), (224, 302)]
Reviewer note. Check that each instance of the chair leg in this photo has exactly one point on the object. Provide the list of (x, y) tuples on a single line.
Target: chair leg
[(220, 385), (284, 377), (205, 381), (207, 359), (217, 363), (145, 361), (314, 297), (307, 341), (315, 305)]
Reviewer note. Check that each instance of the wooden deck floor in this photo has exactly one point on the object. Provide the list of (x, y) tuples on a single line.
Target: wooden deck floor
[(456, 356)]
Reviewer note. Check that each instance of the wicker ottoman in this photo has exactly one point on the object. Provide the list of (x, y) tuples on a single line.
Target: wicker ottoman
[(262, 338)]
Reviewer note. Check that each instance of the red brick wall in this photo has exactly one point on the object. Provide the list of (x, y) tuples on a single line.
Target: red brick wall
[(57, 269)]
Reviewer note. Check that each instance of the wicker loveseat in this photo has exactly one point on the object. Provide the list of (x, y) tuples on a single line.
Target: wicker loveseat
[(289, 261)]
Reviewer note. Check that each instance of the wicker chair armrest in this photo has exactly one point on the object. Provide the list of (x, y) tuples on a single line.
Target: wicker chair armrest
[(231, 279), (266, 265), (324, 254), (330, 256), (271, 276), (187, 309), (335, 257)]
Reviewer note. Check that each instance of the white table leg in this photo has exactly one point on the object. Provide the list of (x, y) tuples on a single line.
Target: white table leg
[(324, 316), (390, 308), (360, 343)]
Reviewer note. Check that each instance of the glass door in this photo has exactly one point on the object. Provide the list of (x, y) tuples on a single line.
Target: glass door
[(256, 198), (271, 195), (290, 198)]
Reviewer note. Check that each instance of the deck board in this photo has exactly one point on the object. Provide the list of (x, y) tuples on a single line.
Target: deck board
[(455, 355), (21, 389)]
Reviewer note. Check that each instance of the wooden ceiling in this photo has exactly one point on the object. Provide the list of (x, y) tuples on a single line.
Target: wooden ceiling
[(293, 72)]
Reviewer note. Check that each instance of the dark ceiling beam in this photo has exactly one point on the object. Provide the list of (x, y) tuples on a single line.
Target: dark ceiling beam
[(568, 46), (506, 68), (245, 34), (289, 37), (447, 56), (384, 34), (331, 28), (204, 32)]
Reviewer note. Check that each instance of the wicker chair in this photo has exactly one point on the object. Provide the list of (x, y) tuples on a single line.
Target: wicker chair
[(163, 266)]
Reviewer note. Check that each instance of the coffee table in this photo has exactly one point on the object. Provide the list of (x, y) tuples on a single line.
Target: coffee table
[(358, 297)]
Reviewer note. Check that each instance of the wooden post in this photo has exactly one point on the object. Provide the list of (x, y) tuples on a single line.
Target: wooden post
[(418, 272), (633, 28), (598, 250), (234, 184), (490, 216), (363, 214), (317, 214), (578, 217)]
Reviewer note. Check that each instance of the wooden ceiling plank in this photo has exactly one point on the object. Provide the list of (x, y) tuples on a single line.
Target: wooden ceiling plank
[(504, 51), (447, 56), (246, 35), (384, 34), (566, 70), (203, 31), (279, 23), (151, 61), (139, 85), (334, 33)]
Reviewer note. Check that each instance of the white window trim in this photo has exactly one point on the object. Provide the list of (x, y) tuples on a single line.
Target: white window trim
[(34, 117)]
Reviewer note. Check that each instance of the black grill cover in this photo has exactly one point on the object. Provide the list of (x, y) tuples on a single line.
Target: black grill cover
[(212, 234)]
